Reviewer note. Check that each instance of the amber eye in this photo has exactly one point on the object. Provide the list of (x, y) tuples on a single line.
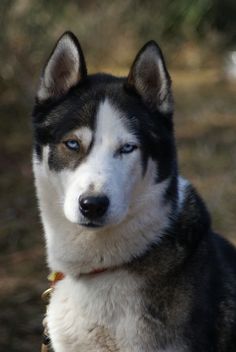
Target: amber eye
[(72, 144), (127, 148)]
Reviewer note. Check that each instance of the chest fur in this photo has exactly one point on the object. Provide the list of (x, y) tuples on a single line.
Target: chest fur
[(95, 313)]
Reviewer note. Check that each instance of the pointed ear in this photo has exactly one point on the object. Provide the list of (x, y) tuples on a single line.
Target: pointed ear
[(150, 79), (64, 69)]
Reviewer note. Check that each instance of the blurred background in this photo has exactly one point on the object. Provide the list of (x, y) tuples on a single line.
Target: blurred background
[(198, 38)]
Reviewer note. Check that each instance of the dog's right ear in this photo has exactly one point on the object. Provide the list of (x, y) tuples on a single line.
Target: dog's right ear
[(64, 69)]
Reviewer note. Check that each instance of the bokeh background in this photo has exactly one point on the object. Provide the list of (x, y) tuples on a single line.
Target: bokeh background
[(198, 38)]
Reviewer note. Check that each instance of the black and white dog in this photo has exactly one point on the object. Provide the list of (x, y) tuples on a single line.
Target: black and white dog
[(143, 270)]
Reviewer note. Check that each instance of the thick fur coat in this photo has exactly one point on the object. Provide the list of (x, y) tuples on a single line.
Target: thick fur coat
[(111, 199)]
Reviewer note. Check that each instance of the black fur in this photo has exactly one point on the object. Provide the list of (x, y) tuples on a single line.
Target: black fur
[(53, 119), (190, 290), (189, 296)]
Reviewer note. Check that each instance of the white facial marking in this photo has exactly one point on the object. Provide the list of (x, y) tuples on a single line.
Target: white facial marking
[(136, 215), (110, 174), (110, 126), (84, 134)]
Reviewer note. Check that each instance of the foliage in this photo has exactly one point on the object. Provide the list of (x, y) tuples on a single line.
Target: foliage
[(28, 29)]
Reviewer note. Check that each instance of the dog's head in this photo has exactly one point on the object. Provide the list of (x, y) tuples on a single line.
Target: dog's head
[(104, 147)]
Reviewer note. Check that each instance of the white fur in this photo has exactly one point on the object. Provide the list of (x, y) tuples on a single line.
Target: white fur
[(107, 300), (84, 134), (136, 216), (89, 312), (99, 313), (109, 174)]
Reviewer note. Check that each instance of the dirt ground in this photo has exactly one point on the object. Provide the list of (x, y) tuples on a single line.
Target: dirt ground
[(206, 138)]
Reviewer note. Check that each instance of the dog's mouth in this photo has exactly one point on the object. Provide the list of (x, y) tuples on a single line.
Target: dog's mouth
[(91, 225)]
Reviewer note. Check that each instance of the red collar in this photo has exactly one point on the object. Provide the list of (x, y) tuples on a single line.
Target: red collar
[(56, 276)]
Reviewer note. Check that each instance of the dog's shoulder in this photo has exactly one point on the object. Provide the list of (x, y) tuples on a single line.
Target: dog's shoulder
[(190, 274)]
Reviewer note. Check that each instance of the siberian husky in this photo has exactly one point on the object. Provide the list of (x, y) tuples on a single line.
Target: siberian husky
[(143, 271)]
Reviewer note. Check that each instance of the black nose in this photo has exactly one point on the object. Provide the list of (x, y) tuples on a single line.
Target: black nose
[(93, 207)]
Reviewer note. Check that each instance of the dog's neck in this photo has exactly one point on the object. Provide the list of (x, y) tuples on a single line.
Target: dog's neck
[(57, 276)]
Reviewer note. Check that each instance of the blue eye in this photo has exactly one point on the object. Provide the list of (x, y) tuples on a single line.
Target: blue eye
[(127, 148), (72, 144)]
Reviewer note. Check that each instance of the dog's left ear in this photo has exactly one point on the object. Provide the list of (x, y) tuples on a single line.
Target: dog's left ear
[(150, 79), (64, 69)]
